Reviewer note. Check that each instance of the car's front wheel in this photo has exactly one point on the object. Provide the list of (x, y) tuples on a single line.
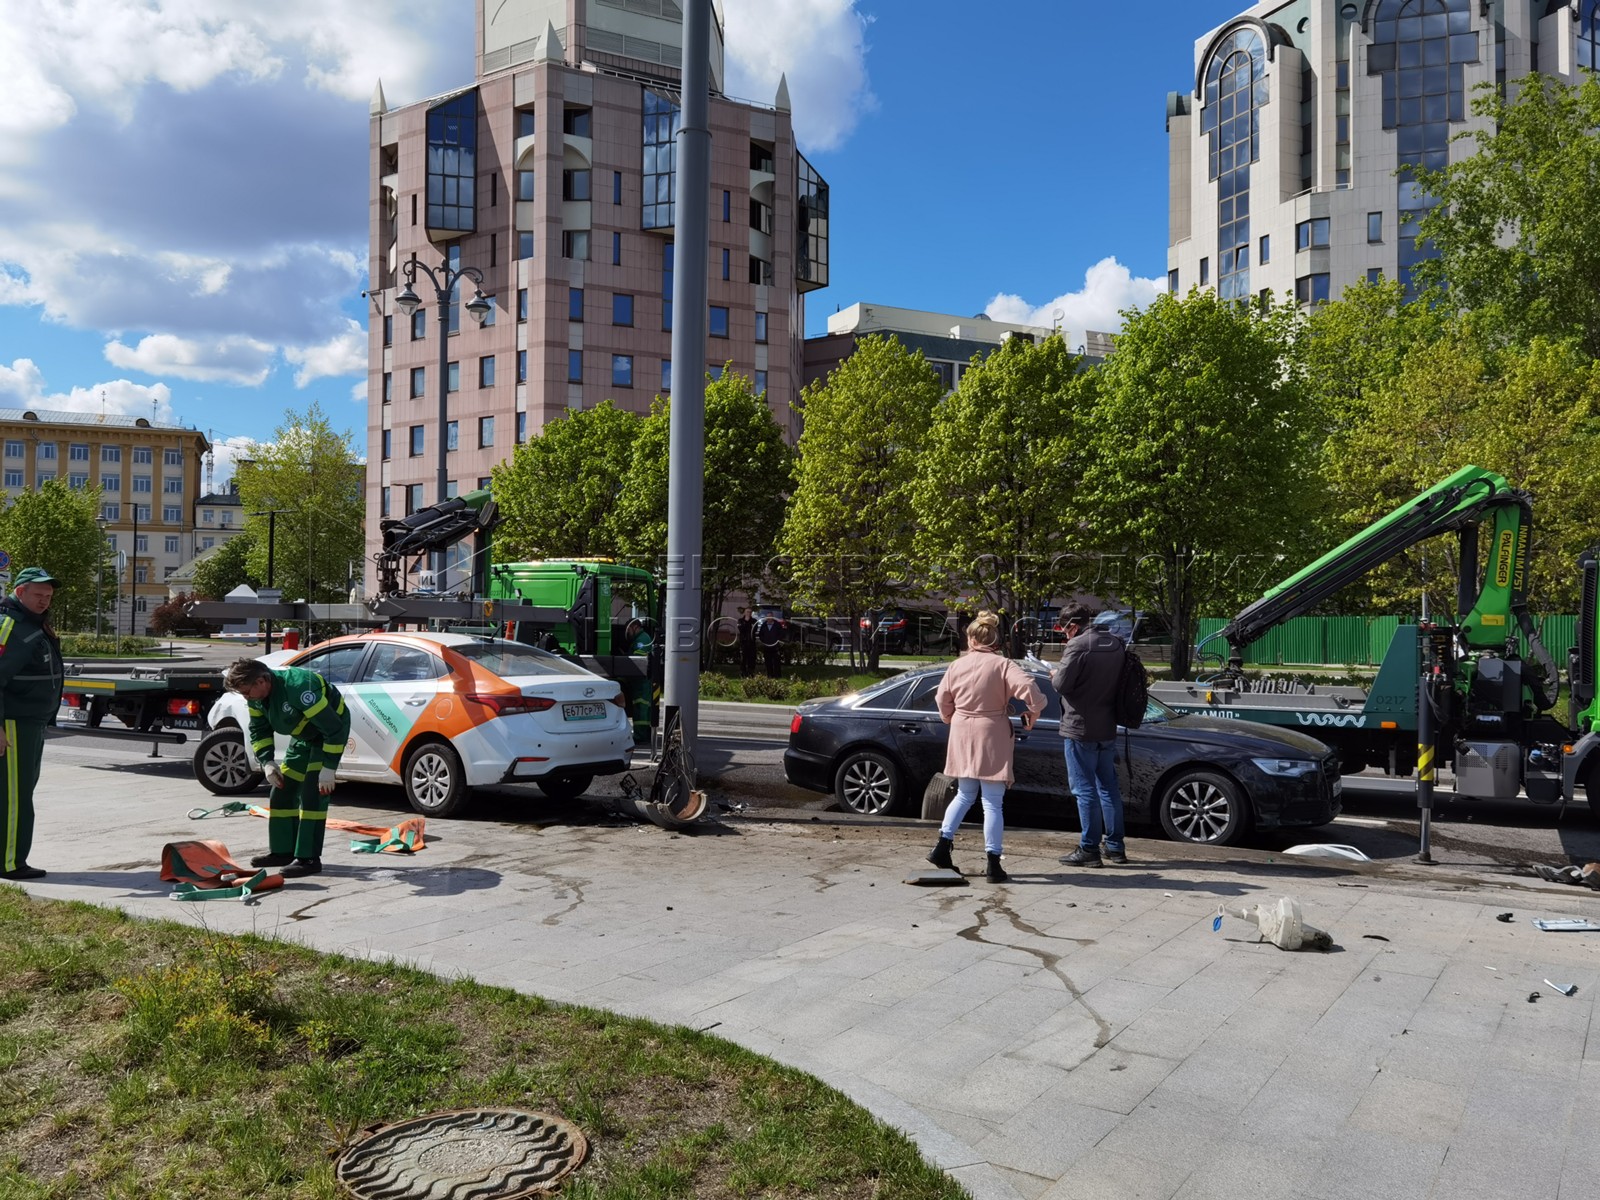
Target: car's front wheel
[(868, 783), (436, 786), (1204, 807), (569, 787), (223, 765)]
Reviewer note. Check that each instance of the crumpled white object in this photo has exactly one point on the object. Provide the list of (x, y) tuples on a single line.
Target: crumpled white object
[(1281, 924)]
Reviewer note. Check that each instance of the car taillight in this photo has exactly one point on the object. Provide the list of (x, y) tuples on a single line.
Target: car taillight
[(794, 723), (502, 704), (73, 700), (620, 700), (183, 708)]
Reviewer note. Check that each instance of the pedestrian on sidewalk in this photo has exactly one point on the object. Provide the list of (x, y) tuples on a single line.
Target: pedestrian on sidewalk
[(747, 643), (310, 710), (30, 693), (1087, 678), (771, 635), (974, 700)]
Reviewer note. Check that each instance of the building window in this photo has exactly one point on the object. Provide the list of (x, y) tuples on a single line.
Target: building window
[(484, 481), (139, 576), (44, 477), (172, 458), (452, 163), (414, 499), (419, 325), (575, 184), (526, 185), (418, 441), (714, 371), (13, 479), (142, 483), (1205, 271), (1375, 227), (15, 449), (207, 516), (522, 366), (522, 427), (485, 431), (1311, 289), (486, 371), (1172, 282), (227, 518), (719, 321), (77, 482), (1589, 37), (172, 487), (616, 187), (811, 227), (760, 271), (575, 243), (142, 455), (79, 452), (761, 383), (1374, 275), (419, 382), (1312, 234), (108, 454), (142, 512), (666, 376), (576, 121), (622, 370), (171, 543), (111, 512), (616, 249), (527, 125), (666, 288), (110, 483), (388, 330), (522, 305), (574, 366), (525, 244), (387, 443), (761, 328), (1264, 253), (725, 259), (452, 377), (383, 509), (659, 179), (727, 206), (388, 387), (574, 304), (760, 217), (141, 544), (171, 514), (621, 309), (452, 434), (1236, 88)]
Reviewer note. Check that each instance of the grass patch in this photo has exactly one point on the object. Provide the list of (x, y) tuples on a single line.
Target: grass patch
[(152, 1060)]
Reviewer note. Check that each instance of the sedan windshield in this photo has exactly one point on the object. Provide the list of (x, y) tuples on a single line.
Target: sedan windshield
[(507, 659)]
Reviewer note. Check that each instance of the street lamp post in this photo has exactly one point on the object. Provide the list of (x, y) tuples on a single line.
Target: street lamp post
[(133, 573), (99, 578), (444, 285), (271, 515)]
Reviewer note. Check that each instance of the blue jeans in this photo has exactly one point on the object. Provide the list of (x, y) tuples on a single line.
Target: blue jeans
[(1092, 775), (994, 795)]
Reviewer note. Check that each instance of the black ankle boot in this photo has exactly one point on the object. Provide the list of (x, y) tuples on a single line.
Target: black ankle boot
[(939, 856), (997, 873)]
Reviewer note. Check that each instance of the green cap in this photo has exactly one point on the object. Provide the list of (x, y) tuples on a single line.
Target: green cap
[(33, 575)]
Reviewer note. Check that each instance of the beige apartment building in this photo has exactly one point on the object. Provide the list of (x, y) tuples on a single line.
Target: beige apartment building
[(553, 173), (149, 476)]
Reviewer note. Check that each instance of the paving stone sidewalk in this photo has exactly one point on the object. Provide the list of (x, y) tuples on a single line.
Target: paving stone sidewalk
[(1071, 1034)]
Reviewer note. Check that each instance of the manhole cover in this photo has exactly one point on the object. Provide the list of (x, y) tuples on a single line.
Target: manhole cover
[(466, 1154)]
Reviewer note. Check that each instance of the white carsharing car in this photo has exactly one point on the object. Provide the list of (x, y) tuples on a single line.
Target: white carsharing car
[(443, 713)]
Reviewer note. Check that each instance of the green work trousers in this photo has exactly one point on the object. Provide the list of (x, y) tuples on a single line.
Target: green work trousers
[(20, 766), (297, 814)]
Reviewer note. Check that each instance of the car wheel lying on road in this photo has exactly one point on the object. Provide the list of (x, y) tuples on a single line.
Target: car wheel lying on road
[(1203, 807), (867, 783), (223, 765), (435, 784), (567, 788)]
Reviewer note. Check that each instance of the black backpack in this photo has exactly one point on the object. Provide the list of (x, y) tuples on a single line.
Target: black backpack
[(1133, 693)]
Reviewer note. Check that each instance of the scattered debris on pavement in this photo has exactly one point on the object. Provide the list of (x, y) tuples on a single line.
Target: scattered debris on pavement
[(1504, 916), (1328, 850), (1565, 925), (1566, 989), (1279, 922), (1587, 875)]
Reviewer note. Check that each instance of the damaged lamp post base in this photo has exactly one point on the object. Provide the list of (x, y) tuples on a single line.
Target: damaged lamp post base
[(674, 802)]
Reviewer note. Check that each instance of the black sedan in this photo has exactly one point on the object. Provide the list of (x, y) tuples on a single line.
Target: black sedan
[(1204, 779)]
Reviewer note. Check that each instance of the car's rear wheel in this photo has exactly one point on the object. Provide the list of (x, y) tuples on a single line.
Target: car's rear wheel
[(868, 783), (569, 787), (223, 765), (1204, 807), (435, 784)]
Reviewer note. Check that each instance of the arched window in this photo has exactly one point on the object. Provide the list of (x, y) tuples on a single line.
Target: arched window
[(1236, 90), (1589, 35), (1421, 48)]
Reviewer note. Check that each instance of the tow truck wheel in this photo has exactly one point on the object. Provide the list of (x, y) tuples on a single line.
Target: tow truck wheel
[(568, 788), (223, 765), (435, 784), (1203, 807)]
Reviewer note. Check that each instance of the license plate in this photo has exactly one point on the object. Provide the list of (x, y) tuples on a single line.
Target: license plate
[(584, 710)]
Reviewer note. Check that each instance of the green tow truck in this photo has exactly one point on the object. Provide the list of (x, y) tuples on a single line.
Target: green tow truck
[(1492, 711)]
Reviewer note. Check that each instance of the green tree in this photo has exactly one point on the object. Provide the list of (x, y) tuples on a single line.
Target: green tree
[(1517, 224), (311, 477), (748, 468), (1199, 455), (226, 567), (848, 534), (559, 492), (994, 488), (54, 527)]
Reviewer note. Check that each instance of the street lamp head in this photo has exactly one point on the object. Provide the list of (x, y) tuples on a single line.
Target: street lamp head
[(479, 307), (407, 301)]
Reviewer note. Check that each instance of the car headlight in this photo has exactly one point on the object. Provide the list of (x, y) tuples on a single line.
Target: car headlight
[(1291, 767)]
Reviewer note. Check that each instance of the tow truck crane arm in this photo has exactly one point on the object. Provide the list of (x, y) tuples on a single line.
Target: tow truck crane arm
[(436, 527)]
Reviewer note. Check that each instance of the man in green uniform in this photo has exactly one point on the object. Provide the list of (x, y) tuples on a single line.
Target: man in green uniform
[(30, 694), (310, 710)]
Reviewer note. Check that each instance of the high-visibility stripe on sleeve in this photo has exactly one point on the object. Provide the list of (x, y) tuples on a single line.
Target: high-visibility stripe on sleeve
[(330, 748), (7, 624)]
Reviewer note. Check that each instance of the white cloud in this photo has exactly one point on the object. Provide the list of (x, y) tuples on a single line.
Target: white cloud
[(237, 360), (225, 454), (22, 384), (820, 45), (345, 354), (1108, 289)]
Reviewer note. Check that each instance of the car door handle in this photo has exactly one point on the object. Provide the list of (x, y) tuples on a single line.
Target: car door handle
[(910, 727), (415, 703)]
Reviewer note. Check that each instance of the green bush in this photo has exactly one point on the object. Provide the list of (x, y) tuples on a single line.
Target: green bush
[(87, 645)]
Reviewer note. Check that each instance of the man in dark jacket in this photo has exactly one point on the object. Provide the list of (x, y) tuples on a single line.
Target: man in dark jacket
[(747, 643), (1087, 678), (30, 694)]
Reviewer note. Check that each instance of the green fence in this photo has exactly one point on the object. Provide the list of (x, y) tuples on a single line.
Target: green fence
[(1354, 641)]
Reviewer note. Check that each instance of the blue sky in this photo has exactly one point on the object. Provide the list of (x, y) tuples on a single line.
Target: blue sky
[(183, 182)]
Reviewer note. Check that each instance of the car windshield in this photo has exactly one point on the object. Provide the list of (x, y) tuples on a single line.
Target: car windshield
[(507, 659)]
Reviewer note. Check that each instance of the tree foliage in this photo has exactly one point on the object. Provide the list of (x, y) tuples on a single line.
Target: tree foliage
[(1199, 456), (848, 535), (312, 478), (559, 492), (748, 468), (993, 496), (54, 527), (226, 567), (1517, 226)]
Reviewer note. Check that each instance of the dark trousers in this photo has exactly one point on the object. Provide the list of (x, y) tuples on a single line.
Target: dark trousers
[(774, 657), (20, 766), (297, 814), (747, 657)]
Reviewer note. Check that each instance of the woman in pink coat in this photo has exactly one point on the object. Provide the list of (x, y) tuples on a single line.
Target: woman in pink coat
[(974, 700)]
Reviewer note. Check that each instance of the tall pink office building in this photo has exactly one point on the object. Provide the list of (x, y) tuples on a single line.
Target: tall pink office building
[(552, 172)]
